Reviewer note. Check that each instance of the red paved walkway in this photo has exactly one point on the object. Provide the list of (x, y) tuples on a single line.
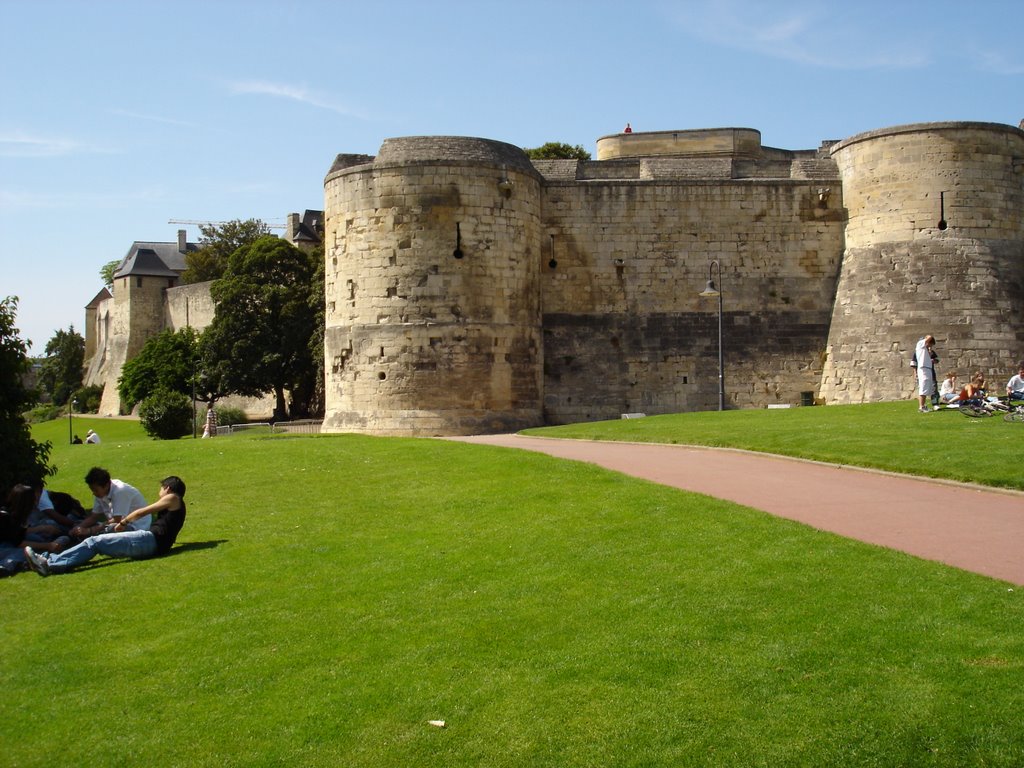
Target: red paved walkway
[(964, 526)]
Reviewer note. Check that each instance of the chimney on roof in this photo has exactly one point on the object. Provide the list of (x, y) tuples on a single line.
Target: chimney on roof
[(292, 230), (182, 241)]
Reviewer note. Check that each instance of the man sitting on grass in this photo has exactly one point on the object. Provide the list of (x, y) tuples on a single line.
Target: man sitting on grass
[(113, 501), (1015, 386), (124, 542)]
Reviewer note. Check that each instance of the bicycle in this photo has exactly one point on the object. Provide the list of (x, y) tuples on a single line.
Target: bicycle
[(981, 407), (1016, 413)]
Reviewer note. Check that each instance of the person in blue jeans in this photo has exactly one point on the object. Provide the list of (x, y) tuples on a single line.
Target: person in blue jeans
[(1015, 386), (169, 512)]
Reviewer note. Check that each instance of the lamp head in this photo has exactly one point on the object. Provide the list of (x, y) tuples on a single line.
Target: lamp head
[(710, 292)]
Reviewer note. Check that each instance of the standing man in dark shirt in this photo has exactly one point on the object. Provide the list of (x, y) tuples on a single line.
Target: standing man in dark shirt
[(169, 510)]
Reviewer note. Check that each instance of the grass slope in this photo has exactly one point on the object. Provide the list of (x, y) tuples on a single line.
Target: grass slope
[(331, 595)]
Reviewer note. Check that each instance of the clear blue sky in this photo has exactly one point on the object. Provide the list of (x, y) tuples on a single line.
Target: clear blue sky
[(116, 117)]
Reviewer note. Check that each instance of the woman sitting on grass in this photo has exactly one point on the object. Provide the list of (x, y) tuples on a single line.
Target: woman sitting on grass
[(169, 512), (948, 391), (975, 390)]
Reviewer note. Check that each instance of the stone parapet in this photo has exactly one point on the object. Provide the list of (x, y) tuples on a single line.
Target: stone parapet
[(726, 142)]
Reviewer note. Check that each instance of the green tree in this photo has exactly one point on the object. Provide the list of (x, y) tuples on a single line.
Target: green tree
[(23, 458), (61, 373), (316, 398), (107, 272), (166, 361), (556, 150), (260, 337), (218, 242)]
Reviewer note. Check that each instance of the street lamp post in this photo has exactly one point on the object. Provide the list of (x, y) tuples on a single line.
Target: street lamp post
[(711, 292), (71, 409)]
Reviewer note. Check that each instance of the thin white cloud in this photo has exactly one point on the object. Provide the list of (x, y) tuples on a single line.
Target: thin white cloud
[(153, 118), (18, 144), (297, 93), (804, 32)]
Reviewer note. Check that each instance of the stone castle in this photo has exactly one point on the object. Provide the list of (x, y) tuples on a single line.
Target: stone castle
[(470, 289), (148, 298)]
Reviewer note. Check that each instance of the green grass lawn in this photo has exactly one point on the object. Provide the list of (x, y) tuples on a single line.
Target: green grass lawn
[(890, 436), (331, 595)]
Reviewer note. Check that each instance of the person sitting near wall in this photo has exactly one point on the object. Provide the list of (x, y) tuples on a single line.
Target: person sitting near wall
[(949, 391), (974, 389), (1015, 386)]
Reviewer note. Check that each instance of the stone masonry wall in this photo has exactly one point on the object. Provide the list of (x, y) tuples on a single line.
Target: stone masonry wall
[(188, 305), (624, 327), (136, 315), (419, 340), (904, 277)]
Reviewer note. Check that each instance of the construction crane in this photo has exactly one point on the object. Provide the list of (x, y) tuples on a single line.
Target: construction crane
[(218, 223)]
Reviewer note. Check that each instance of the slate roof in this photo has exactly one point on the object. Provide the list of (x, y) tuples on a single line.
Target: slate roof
[(154, 259), (311, 227)]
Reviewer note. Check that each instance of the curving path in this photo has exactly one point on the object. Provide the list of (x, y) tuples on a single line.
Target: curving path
[(965, 526)]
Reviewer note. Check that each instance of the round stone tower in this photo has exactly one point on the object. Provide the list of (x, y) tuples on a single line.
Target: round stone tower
[(934, 244), (432, 287)]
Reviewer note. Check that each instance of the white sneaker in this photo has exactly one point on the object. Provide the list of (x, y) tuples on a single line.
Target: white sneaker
[(37, 562)]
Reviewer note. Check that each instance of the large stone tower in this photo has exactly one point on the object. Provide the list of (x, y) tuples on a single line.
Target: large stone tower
[(140, 287), (934, 244), (432, 287)]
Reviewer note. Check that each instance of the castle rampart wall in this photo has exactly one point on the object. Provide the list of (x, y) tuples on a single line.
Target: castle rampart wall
[(903, 276), (624, 327), (188, 305)]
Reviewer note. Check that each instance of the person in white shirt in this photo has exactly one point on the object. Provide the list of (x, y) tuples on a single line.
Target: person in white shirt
[(1015, 386), (949, 391), (924, 361), (113, 501), (92, 437)]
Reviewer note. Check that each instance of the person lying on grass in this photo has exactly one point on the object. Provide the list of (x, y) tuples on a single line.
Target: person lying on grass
[(169, 512)]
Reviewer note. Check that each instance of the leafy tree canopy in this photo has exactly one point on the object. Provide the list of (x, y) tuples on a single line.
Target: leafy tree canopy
[(218, 242), (61, 373), (167, 361), (556, 150), (107, 272), (23, 458), (315, 397), (264, 322)]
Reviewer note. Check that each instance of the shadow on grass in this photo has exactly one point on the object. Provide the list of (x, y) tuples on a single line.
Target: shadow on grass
[(191, 546), (194, 546)]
